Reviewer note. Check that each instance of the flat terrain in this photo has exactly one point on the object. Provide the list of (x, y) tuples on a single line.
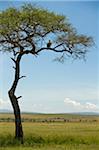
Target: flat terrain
[(51, 132)]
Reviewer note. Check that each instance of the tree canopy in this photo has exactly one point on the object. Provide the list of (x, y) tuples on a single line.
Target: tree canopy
[(29, 28)]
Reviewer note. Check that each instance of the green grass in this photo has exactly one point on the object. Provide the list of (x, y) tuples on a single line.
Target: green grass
[(55, 147), (51, 136)]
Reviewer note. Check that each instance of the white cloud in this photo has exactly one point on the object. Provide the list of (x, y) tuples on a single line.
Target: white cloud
[(90, 106), (71, 102), (4, 104), (74, 105)]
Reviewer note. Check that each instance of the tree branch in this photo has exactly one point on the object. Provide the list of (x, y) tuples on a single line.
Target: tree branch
[(53, 49), (22, 77), (59, 45), (19, 97), (13, 60), (14, 67)]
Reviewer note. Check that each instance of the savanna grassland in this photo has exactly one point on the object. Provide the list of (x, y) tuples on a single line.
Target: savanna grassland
[(51, 132)]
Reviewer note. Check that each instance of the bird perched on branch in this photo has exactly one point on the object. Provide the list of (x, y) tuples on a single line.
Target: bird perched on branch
[(49, 44)]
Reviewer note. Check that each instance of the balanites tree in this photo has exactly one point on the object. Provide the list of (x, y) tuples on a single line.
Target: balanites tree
[(31, 30)]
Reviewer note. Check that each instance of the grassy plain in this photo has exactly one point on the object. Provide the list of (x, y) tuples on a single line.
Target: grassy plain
[(52, 132)]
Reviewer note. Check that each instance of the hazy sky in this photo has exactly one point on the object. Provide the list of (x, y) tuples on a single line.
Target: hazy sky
[(52, 87)]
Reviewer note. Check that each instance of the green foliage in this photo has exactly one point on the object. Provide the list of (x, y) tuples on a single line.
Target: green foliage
[(9, 21), (12, 18), (30, 27)]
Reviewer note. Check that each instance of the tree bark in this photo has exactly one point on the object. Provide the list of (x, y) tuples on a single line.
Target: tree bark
[(14, 101)]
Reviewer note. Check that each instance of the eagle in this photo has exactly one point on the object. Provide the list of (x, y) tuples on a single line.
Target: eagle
[(49, 44)]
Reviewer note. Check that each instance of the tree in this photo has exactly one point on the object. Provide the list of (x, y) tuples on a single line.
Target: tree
[(31, 30)]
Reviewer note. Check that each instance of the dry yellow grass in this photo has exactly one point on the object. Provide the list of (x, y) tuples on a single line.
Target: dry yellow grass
[(52, 135)]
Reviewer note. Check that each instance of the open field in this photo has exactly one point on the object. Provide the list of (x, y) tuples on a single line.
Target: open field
[(29, 117), (52, 132)]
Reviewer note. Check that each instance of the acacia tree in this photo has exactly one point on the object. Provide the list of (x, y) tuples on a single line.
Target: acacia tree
[(31, 30)]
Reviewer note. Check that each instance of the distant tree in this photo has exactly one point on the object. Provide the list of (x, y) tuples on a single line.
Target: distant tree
[(31, 30)]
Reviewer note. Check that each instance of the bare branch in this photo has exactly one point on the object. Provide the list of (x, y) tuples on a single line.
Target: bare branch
[(60, 59), (58, 45), (22, 77), (19, 97), (14, 67), (13, 60), (14, 52), (53, 49)]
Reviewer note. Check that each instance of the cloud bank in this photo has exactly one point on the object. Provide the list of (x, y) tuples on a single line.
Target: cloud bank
[(74, 105)]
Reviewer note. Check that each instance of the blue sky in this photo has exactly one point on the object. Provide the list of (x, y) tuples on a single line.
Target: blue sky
[(52, 87)]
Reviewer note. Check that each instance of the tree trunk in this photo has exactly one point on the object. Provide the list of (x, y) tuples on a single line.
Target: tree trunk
[(14, 101), (18, 124)]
